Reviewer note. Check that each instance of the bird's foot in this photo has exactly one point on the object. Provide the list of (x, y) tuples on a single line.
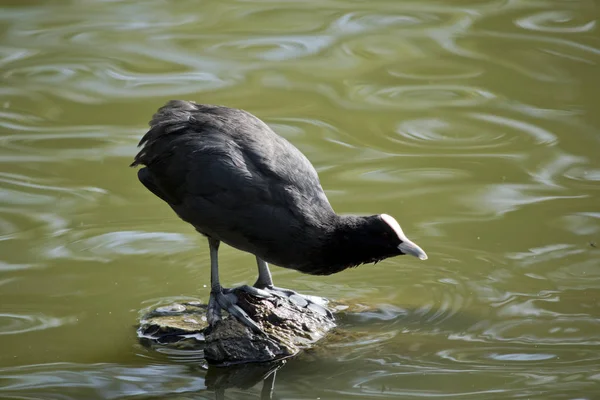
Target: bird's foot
[(316, 304), (225, 299)]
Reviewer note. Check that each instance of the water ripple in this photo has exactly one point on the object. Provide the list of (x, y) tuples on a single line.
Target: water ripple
[(419, 70), (562, 331), (102, 381), (472, 121), (471, 132), (14, 324), (273, 49), (360, 22), (516, 358), (27, 143), (412, 97), (108, 246), (556, 22)]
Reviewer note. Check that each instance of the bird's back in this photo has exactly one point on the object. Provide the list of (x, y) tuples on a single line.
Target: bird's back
[(227, 173)]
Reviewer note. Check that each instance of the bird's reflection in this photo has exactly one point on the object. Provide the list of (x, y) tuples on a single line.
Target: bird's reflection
[(243, 377)]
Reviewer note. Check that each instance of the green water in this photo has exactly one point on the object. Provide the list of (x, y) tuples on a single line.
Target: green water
[(474, 123)]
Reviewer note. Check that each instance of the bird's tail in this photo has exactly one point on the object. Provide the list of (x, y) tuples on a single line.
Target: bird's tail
[(171, 118)]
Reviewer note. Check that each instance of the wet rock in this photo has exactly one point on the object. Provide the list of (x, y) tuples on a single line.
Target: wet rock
[(289, 324), (178, 325)]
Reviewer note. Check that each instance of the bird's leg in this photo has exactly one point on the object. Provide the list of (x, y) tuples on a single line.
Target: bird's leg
[(213, 313), (265, 282), (223, 299), (264, 274)]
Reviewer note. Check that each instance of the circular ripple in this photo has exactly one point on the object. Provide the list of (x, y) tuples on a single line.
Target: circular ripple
[(518, 356), (12, 324), (278, 48), (437, 305), (439, 131), (419, 96), (556, 22), (473, 131), (439, 71), (559, 330), (275, 19), (110, 245), (365, 49), (356, 22)]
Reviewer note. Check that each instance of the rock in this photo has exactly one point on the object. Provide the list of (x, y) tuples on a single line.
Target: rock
[(290, 325), (178, 325)]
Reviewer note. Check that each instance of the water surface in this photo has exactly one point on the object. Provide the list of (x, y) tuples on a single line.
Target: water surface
[(474, 123)]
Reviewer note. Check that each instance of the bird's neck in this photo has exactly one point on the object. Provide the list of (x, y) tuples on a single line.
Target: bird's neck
[(347, 243)]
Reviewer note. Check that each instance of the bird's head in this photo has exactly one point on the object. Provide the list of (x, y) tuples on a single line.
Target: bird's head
[(360, 240), (393, 237)]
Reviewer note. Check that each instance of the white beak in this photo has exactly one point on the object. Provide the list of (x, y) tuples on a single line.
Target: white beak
[(408, 247)]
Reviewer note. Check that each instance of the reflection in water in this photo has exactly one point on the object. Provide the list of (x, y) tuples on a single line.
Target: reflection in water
[(111, 381), (100, 381), (472, 122)]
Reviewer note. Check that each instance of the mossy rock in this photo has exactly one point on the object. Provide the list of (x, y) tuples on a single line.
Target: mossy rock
[(288, 329)]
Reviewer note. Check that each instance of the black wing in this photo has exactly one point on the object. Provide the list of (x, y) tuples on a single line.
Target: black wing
[(225, 171)]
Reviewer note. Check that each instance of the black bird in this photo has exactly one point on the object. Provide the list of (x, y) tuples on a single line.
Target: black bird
[(236, 181)]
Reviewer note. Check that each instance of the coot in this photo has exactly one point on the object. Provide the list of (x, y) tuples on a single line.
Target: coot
[(236, 181)]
